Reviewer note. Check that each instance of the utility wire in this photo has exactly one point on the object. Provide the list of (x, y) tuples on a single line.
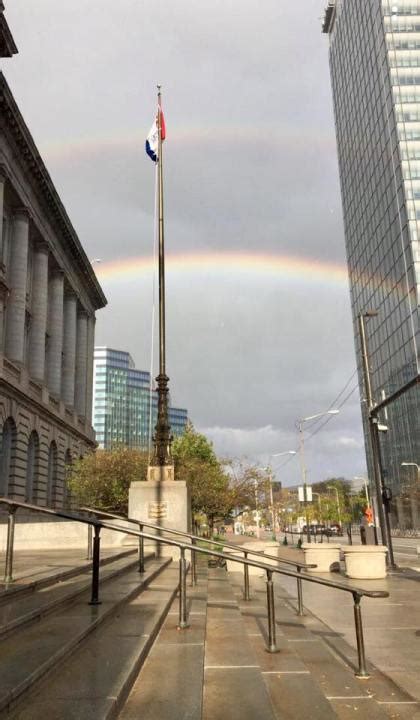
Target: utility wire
[(327, 419)]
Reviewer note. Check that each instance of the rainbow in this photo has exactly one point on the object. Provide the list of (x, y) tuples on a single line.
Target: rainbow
[(285, 266), (132, 140)]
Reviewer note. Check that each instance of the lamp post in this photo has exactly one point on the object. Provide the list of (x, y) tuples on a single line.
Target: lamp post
[(257, 512), (382, 493), (412, 464), (332, 487), (300, 424), (319, 502), (273, 515), (356, 477)]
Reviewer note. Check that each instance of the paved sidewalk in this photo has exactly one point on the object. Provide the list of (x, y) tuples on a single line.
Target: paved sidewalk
[(391, 625)]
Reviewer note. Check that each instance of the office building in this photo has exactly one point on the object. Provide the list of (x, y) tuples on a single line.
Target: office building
[(124, 408), (374, 52)]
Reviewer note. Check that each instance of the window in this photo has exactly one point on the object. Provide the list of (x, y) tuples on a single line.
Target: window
[(52, 474), (32, 466), (7, 454), (68, 461)]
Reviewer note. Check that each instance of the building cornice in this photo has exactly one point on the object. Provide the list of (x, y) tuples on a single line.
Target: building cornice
[(7, 44), (16, 125), (329, 17)]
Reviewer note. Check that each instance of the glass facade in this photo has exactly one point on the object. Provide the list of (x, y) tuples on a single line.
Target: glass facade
[(375, 74), (121, 402)]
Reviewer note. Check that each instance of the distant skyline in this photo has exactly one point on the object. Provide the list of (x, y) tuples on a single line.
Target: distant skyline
[(250, 170)]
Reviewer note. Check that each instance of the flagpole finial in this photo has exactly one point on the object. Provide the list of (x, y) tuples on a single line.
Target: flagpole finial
[(159, 87)]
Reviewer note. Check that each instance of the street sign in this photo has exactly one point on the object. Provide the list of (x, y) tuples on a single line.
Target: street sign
[(301, 493)]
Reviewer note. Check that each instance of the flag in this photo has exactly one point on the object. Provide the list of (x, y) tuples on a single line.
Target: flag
[(152, 140)]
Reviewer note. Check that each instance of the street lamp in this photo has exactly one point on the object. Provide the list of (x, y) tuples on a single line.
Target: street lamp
[(273, 516), (332, 487), (302, 459), (412, 464), (257, 512), (356, 477), (319, 502)]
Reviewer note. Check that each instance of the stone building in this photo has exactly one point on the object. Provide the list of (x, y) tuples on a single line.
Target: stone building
[(48, 298)]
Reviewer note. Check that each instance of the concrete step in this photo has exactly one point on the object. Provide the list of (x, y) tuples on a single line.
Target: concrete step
[(205, 672), (29, 655), (34, 574), (170, 685), (44, 600), (95, 680)]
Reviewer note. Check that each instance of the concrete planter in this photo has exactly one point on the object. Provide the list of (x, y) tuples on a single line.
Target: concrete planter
[(365, 562), (271, 548), (325, 556)]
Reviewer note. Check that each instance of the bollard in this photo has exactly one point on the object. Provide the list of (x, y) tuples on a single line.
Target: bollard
[(94, 600), (141, 550), (183, 623), (362, 671), (193, 566), (246, 579), (299, 593), (8, 571), (272, 647)]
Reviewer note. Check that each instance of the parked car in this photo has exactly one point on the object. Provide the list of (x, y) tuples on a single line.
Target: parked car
[(314, 529)]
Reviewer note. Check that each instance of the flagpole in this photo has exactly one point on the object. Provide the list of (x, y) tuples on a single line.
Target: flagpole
[(162, 438)]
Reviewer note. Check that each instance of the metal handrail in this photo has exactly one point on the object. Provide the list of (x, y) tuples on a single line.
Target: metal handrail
[(97, 525), (195, 538)]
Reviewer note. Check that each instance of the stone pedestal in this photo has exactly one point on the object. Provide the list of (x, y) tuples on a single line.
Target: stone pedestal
[(165, 502)]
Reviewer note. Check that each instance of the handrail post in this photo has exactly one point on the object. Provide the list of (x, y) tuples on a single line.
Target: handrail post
[(299, 592), (193, 565), (272, 647), (362, 671), (141, 550), (8, 571), (183, 623), (246, 579), (89, 543), (94, 600)]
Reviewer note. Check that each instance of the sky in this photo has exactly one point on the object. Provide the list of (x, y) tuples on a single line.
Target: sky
[(259, 330)]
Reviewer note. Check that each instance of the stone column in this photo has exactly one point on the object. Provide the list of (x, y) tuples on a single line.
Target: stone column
[(16, 305), (36, 359), (90, 351), (2, 184), (81, 364), (55, 332), (69, 348), (3, 287)]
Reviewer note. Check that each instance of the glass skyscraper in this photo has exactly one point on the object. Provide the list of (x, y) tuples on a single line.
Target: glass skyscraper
[(122, 400), (374, 52)]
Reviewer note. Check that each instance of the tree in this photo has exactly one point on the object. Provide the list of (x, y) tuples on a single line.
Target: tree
[(197, 464), (102, 479), (192, 445)]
